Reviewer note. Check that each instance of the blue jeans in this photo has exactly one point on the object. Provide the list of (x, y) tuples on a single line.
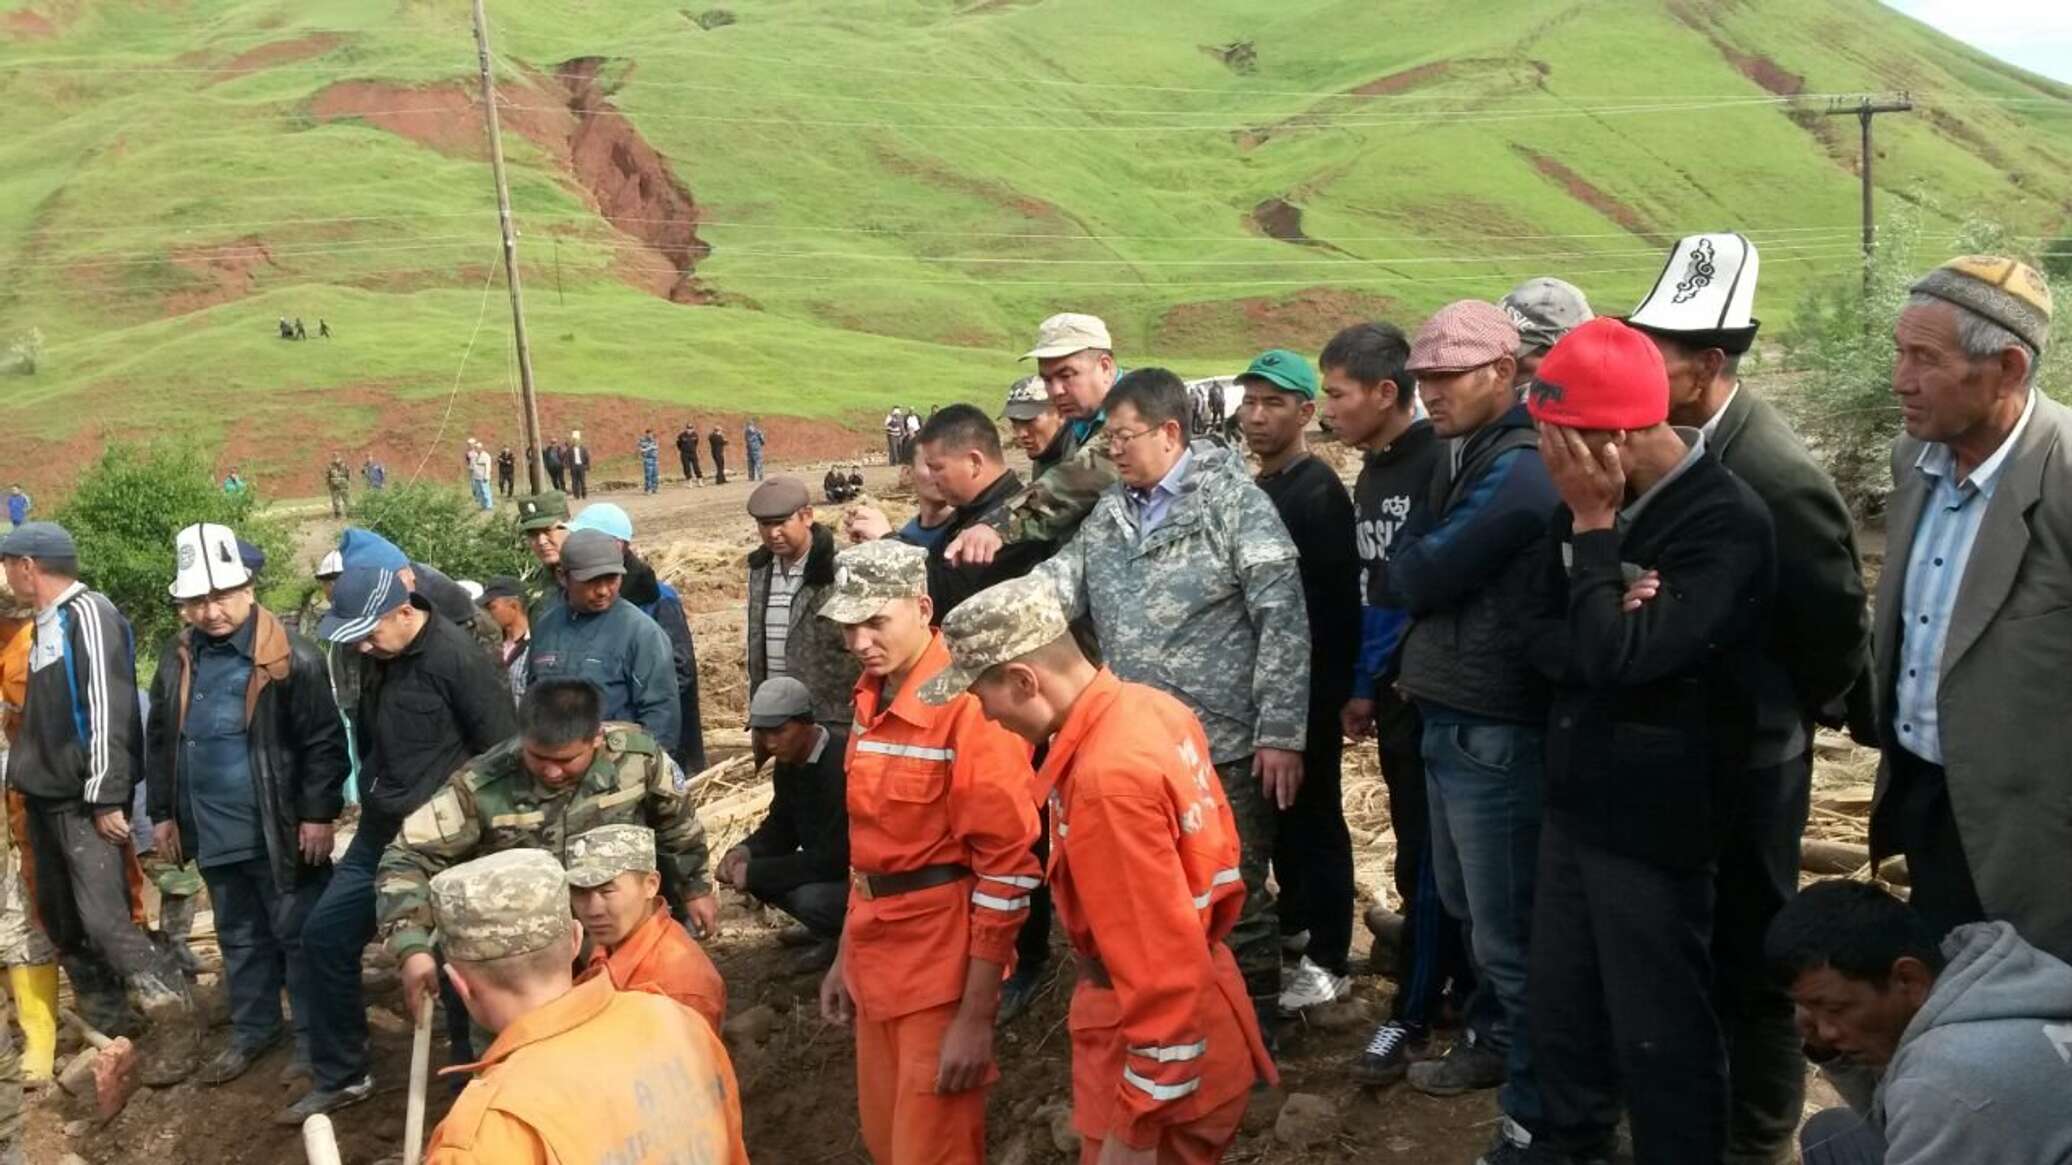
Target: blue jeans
[(755, 465), (260, 931), (482, 494), (1484, 779), (650, 476), (339, 928)]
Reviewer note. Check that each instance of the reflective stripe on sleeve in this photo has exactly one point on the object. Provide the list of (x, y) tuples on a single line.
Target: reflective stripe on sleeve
[(1157, 1091), (910, 751), (992, 903), (1222, 878), (1173, 1053), (1014, 880)]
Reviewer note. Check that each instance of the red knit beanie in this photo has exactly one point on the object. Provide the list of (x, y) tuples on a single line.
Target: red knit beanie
[(1602, 375)]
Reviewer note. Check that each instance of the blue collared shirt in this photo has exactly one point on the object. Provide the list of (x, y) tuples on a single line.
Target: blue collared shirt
[(1943, 539), (1151, 505)]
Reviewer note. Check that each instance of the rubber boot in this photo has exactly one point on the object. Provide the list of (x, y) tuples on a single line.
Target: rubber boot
[(176, 922), (173, 1050), (35, 991)]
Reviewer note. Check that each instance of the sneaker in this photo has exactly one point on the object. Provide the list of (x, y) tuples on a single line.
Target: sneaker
[(1468, 1066), (1388, 1055), (325, 1100), (233, 1062), (1295, 942), (1310, 985), (1514, 1146), (1019, 992)]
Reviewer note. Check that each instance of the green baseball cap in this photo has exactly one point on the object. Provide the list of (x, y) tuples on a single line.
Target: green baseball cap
[(1284, 370)]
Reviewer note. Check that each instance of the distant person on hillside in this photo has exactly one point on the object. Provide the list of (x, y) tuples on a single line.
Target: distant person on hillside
[(479, 466), (687, 452), (913, 435), (506, 470), (717, 438), (323, 329), (557, 472), (300, 332), (577, 456), (895, 434), (234, 483), (752, 440), (338, 481), (19, 505), (376, 473), (287, 329), (650, 462)]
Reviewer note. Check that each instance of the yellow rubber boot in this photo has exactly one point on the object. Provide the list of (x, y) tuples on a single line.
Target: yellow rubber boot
[(36, 1004)]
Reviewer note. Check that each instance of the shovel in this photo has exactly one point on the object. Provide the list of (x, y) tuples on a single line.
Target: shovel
[(108, 1070), (420, 1068)]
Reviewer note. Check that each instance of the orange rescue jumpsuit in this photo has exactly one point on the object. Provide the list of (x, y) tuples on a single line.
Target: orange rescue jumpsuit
[(929, 786), (1144, 875), (661, 957), (597, 1075)]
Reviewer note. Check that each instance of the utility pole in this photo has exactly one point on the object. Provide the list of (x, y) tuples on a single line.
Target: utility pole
[(535, 469), (1864, 110)]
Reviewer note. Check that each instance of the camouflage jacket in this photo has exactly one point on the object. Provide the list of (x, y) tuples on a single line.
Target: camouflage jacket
[(1208, 607), (1061, 497), (493, 804)]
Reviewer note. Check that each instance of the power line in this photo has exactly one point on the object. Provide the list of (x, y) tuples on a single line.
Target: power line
[(487, 282)]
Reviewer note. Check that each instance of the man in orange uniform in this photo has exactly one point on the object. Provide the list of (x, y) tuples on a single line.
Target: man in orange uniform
[(1144, 874), (579, 1072), (617, 895), (940, 825)]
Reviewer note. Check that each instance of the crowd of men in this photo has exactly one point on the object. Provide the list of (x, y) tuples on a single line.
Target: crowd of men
[(1590, 597)]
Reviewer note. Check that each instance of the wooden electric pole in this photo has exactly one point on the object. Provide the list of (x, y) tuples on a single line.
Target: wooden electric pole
[(535, 468), (1864, 110)]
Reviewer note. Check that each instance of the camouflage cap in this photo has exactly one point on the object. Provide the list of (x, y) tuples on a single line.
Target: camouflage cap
[(509, 903), (871, 575), (542, 511), (998, 624), (1026, 400), (604, 853)]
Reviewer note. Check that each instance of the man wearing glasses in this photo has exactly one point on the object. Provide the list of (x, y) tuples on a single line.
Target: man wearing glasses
[(1191, 582)]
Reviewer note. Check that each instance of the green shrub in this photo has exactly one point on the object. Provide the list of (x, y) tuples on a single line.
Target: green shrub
[(124, 512), (713, 18), (442, 527)]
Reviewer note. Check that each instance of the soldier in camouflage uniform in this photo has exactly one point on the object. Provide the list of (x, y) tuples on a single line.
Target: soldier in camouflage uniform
[(1191, 581), (1076, 360), (566, 772)]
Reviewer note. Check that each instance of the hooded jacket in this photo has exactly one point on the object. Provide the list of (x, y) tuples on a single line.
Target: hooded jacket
[(293, 736), (1983, 1074)]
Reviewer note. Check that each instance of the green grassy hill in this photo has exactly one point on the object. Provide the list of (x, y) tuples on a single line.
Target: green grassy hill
[(824, 207)]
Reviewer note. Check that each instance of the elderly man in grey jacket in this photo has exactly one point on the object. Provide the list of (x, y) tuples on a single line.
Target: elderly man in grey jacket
[(1974, 623), (1192, 585), (1950, 1050)]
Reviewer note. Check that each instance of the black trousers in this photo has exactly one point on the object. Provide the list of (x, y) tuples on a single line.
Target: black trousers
[(1758, 874), (579, 481), (1434, 956), (1837, 1136), (505, 480), (1032, 941), (690, 465), (1313, 850), (820, 907), (1915, 818), (1621, 1005), (82, 895), (558, 476), (719, 467)]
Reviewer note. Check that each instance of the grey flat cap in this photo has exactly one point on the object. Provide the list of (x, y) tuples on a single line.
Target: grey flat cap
[(590, 554), (778, 700), (39, 540), (778, 498)]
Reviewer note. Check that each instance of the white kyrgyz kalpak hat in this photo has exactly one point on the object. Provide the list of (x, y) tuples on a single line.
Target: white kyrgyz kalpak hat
[(1705, 296), (207, 561)]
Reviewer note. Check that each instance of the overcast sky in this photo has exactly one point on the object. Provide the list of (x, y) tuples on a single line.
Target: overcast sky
[(2035, 34)]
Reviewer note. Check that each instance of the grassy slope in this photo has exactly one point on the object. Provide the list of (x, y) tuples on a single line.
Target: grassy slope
[(840, 150)]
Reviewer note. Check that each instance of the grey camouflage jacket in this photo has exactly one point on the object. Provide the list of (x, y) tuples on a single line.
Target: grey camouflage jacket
[(1208, 607)]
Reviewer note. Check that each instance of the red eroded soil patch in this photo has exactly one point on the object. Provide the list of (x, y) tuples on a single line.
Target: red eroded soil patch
[(568, 113), (23, 24), (1403, 80), (1582, 190), (227, 271), (1304, 320), (266, 56), (1754, 66)]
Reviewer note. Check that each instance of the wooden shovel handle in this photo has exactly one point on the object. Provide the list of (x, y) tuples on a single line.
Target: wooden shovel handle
[(86, 1030), (420, 1069)]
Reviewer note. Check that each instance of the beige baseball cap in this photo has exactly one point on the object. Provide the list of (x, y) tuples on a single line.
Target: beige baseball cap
[(998, 624), (604, 853), (873, 574), (1069, 332), (509, 903)]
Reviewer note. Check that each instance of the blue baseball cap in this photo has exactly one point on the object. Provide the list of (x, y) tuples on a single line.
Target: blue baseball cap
[(605, 518), (359, 547), (362, 595)]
